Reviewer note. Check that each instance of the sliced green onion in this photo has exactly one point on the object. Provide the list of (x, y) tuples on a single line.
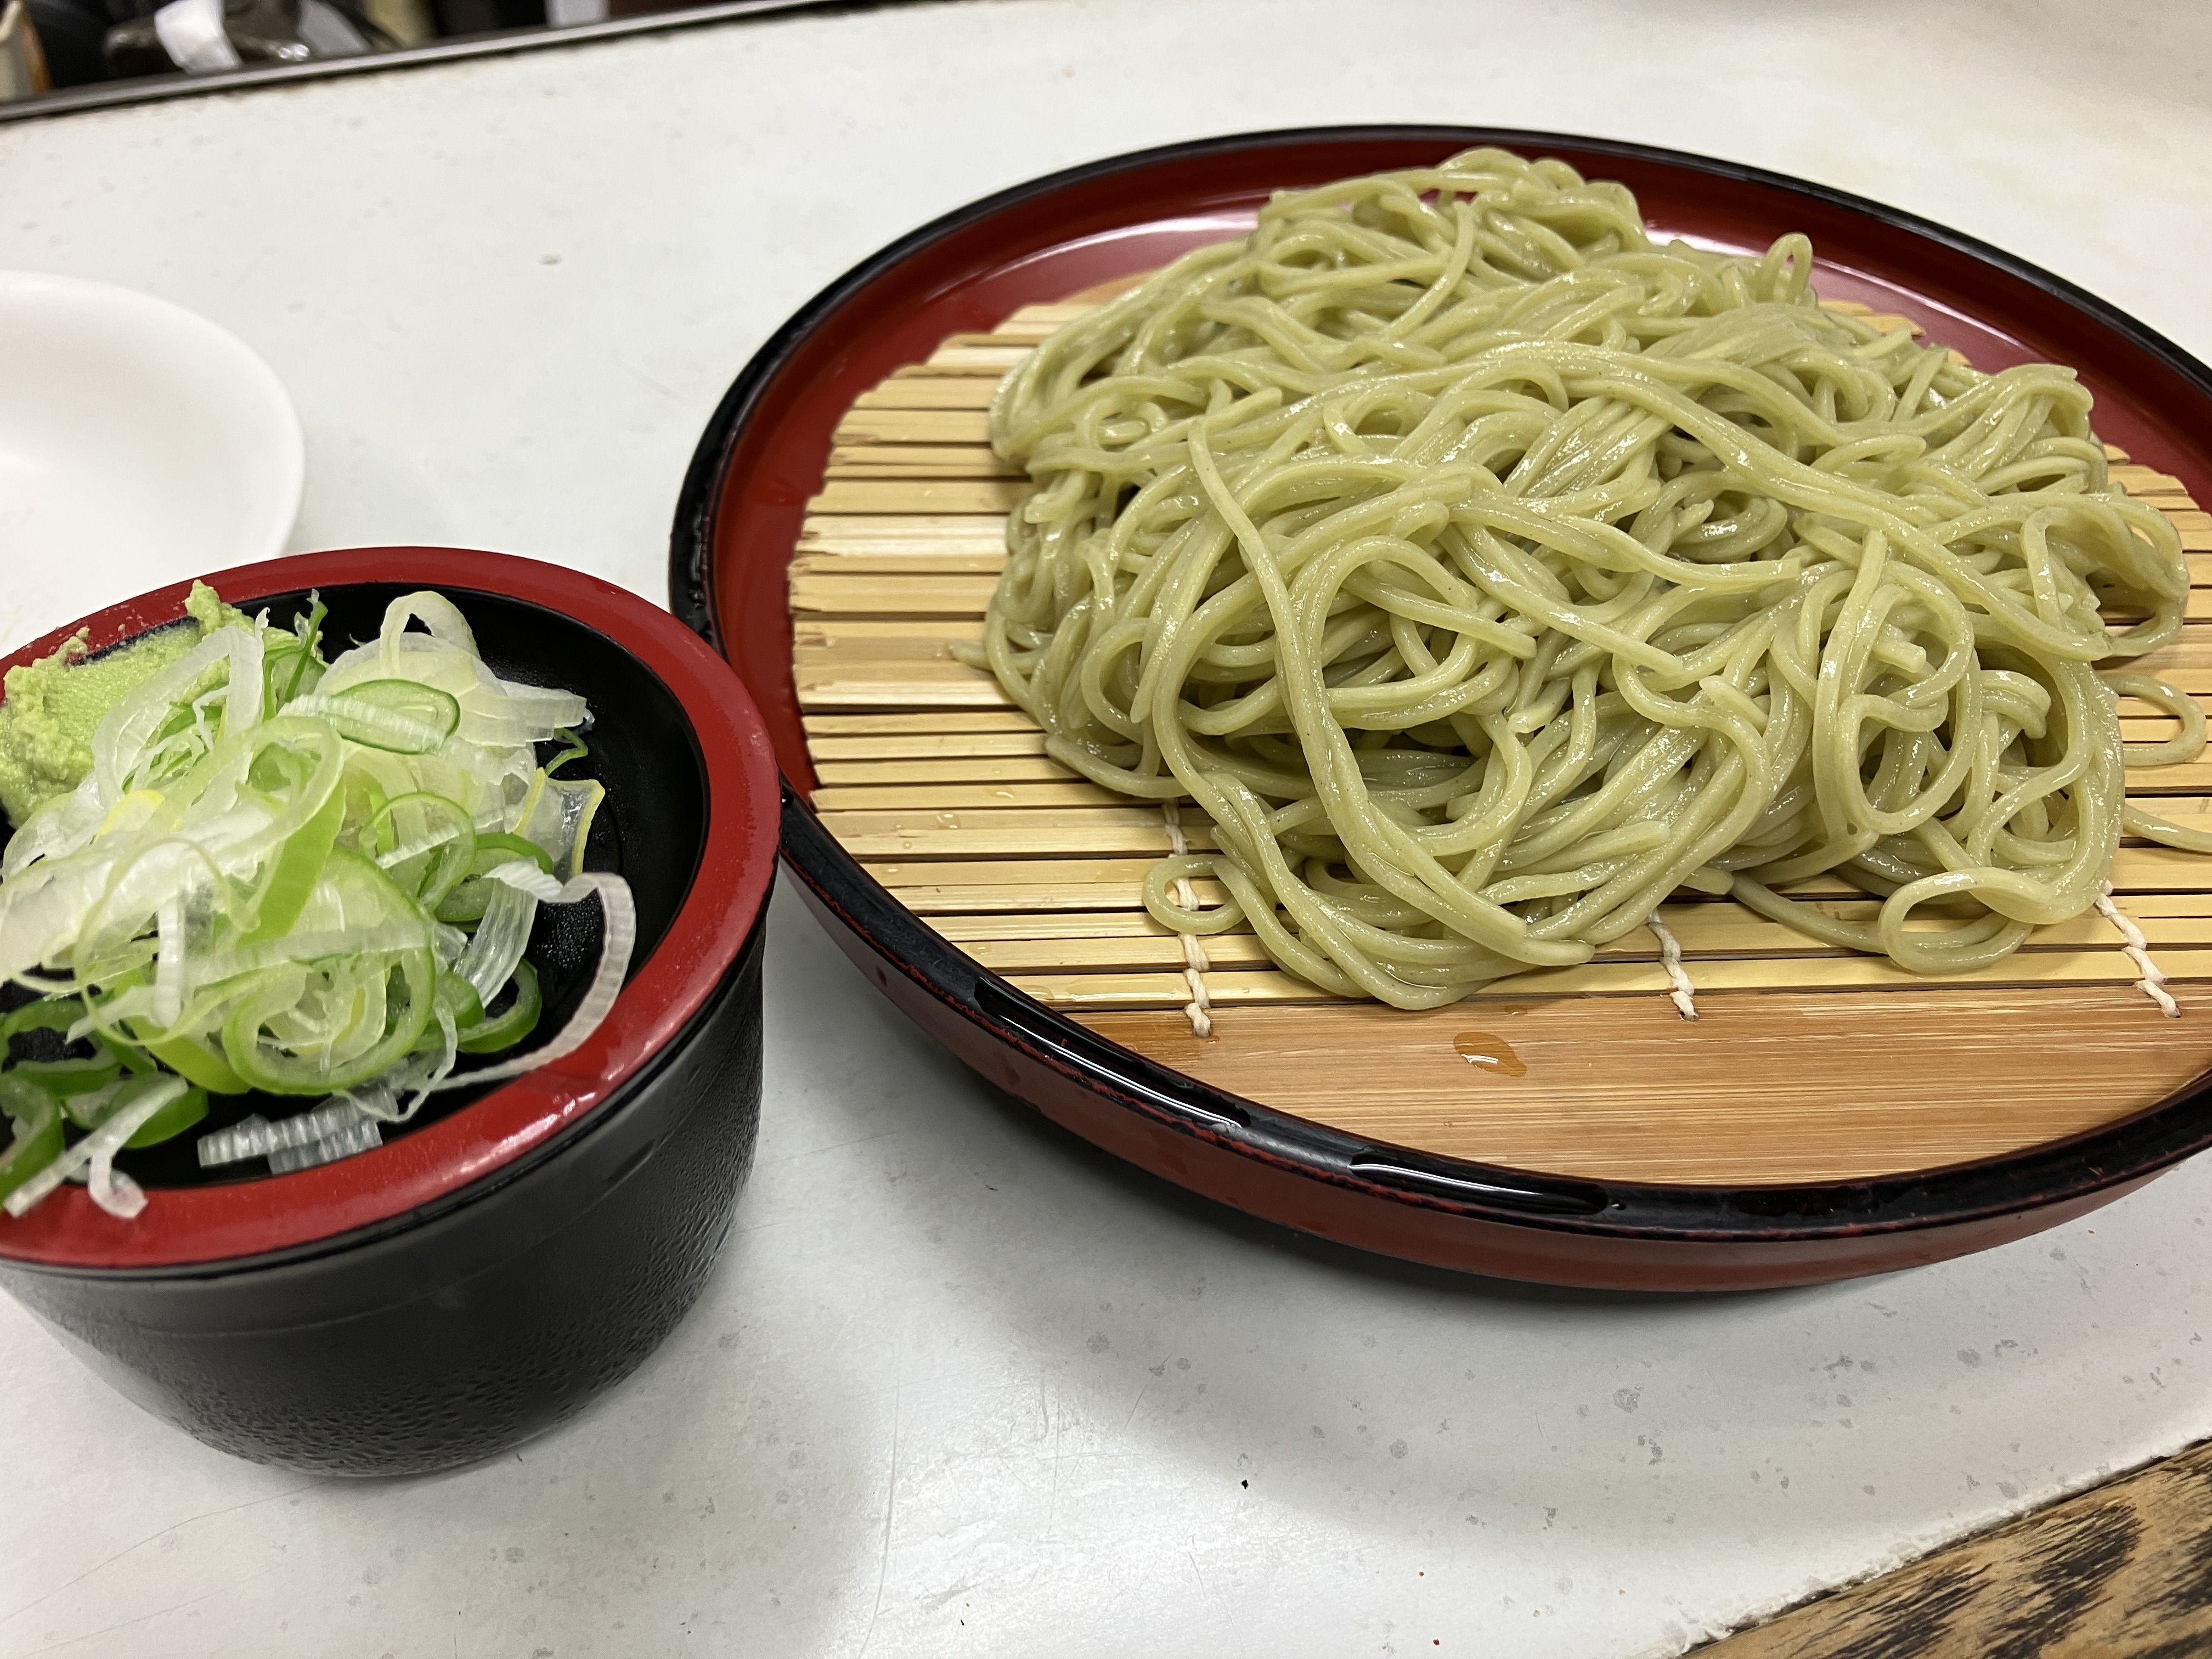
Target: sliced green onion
[(22, 1099), (410, 698), (46, 1014), (617, 938), (436, 850), (293, 872), (519, 1020), (458, 998), (134, 1060), (400, 716), (310, 629), (356, 1137), (61, 1078), (172, 1121), (285, 664), (503, 934), (97, 1149), (64, 1077), (258, 886), (257, 1137), (467, 901), (37, 1142), (89, 1111), (577, 750), (436, 613), (518, 847), (303, 1066), (200, 1062), (558, 818), (380, 840), (120, 741)]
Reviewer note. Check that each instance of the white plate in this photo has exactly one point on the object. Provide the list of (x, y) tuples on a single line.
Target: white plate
[(139, 444)]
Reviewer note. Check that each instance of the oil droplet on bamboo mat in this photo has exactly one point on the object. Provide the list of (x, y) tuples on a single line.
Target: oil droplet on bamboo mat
[(1490, 1053)]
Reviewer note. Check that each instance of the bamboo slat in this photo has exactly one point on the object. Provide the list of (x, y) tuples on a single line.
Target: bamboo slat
[(1715, 929), (1808, 1062), (922, 746), (918, 461), (889, 596), (977, 496), (1041, 884), (901, 561), (936, 797), (916, 388), (1006, 832), (1770, 1086), (877, 424), (830, 725), (995, 769), (1615, 979)]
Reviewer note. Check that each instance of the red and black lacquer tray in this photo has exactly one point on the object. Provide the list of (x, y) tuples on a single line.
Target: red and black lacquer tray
[(763, 458)]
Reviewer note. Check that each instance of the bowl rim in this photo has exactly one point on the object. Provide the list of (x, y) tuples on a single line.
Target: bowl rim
[(186, 1227), (2127, 1151)]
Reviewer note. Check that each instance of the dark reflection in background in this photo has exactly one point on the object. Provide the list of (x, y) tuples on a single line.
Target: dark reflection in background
[(51, 45)]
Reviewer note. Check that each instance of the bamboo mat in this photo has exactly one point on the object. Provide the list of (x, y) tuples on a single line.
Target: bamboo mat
[(1808, 1062)]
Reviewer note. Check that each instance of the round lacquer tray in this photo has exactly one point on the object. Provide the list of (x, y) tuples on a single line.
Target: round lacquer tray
[(1827, 1114)]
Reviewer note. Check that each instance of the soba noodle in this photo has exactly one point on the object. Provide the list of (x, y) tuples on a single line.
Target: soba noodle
[(1486, 572)]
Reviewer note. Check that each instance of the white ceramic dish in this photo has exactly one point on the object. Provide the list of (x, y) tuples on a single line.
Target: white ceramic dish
[(138, 442)]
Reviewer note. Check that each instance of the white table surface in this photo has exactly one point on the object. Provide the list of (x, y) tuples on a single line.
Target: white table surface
[(961, 1385)]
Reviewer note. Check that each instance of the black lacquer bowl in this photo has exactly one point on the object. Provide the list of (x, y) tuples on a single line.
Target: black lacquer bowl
[(505, 1257)]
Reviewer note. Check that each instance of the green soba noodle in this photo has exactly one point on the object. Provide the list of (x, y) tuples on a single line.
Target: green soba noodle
[(1486, 572)]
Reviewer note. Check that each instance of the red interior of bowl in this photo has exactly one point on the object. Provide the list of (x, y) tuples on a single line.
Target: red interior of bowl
[(1093, 225), (214, 1224)]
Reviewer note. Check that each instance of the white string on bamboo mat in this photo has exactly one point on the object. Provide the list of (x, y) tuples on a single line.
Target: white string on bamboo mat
[(1200, 1006), (1683, 993), (2153, 982)]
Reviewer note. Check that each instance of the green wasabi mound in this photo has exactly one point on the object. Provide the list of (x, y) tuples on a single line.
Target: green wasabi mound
[(52, 707)]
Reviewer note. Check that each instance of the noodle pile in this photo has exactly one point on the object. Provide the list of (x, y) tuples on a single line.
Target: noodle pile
[(1486, 572)]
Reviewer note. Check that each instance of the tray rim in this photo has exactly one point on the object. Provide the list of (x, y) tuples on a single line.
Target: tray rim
[(2104, 1160)]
